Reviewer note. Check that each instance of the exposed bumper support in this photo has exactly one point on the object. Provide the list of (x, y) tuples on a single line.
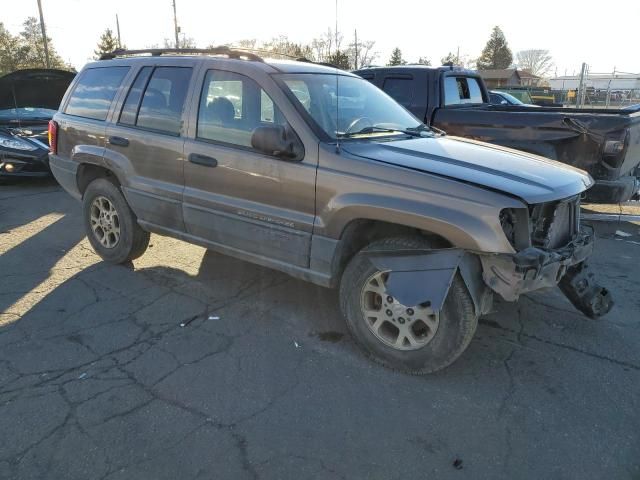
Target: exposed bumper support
[(533, 268)]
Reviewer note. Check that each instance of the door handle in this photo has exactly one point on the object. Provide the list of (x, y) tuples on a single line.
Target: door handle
[(203, 160), (120, 141)]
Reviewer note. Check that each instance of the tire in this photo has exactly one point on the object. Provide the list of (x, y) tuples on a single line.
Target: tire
[(454, 327), (132, 240)]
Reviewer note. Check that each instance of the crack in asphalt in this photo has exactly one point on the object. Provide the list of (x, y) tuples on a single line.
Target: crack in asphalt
[(622, 363)]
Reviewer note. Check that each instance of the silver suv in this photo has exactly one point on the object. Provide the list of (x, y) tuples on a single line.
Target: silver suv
[(315, 172)]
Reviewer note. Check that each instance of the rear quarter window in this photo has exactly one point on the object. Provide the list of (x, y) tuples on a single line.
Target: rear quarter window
[(459, 90), (399, 88), (94, 92)]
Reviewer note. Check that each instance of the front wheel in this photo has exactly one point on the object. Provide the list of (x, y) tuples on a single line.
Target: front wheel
[(112, 228), (410, 338)]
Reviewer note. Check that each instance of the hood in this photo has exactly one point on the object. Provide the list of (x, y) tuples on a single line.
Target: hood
[(530, 177), (42, 88)]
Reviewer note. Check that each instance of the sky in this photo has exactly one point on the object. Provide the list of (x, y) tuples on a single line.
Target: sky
[(573, 31)]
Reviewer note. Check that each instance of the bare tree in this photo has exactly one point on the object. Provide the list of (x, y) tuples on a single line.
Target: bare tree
[(365, 53), (536, 62)]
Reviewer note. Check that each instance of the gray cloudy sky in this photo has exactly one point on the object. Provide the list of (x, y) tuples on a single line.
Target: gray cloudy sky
[(603, 35)]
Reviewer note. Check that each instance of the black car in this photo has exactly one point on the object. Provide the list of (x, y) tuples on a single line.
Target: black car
[(28, 100)]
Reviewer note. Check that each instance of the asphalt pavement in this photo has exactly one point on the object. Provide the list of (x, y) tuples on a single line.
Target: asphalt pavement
[(190, 365)]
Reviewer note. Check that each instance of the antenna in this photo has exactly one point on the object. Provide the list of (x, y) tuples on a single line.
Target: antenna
[(337, 91)]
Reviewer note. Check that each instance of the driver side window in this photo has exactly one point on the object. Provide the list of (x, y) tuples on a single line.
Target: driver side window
[(232, 106)]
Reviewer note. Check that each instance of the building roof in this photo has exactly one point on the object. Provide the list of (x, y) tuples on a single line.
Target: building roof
[(527, 74), (498, 74)]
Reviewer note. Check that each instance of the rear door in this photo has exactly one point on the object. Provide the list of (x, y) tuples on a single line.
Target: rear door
[(146, 140), (235, 196)]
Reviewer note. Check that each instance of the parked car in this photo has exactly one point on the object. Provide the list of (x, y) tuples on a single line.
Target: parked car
[(605, 143), (497, 97), (28, 100), (322, 176)]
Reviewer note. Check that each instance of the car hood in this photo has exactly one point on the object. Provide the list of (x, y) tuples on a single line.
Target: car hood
[(42, 88), (530, 177)]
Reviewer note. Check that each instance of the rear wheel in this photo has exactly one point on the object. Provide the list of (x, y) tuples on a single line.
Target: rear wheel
[(410, 338), (112, 228)]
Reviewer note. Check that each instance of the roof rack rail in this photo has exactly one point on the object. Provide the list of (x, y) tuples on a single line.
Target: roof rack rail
[(156, 52)]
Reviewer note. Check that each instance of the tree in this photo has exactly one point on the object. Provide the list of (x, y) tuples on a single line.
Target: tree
[(536, 62), (362, 52), (496, 53), (32, 47), (424, 61), (184, 42), (339, 59), (449, 58), (284, 47), (9, 51), (107, 44), (396, 58)]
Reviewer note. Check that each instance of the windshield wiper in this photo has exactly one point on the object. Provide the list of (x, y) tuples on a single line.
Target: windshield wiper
[(373, 129)]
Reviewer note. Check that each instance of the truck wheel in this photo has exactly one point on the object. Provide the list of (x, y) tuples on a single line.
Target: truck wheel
[(411, 338), (112, 228)]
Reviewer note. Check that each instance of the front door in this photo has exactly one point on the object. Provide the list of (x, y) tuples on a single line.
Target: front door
[(235, 196)]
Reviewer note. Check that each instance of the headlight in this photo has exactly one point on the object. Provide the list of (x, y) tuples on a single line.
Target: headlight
[(16, 143)]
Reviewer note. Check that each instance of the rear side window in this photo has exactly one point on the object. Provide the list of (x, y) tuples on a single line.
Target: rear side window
[(399, 89), (94, 92), (163, 100), (458, 90)]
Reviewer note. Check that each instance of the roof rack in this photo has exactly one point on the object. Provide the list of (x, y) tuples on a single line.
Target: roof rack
[(156, 52)]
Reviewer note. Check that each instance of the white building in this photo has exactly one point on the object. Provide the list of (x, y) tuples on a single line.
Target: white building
[(619, 81)]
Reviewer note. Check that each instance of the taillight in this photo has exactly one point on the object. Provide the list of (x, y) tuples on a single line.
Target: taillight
[(53, 136)]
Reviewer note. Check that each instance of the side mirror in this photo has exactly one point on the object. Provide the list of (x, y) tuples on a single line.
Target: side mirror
[(278, 141)]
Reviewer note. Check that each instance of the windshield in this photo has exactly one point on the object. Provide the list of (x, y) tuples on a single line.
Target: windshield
[(511, 99), (360, 107), (27, 113)]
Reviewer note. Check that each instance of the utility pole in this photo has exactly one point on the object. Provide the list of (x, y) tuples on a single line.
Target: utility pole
[(44, 36), (458, 57), (581, 90), (118, 29), (175, 24), (355, 62)]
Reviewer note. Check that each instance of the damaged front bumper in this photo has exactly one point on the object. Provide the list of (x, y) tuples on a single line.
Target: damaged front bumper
[(425, 276), (534, 268)]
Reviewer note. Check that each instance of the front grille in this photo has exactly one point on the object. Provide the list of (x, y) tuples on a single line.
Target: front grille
[(555, 224)]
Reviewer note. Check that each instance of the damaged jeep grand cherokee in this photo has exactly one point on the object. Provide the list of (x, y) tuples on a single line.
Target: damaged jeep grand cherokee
[(317, 173)]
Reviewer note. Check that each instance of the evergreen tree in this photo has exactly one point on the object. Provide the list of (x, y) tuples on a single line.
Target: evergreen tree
[(450, 58), (339, 59), (32, 48), (496, 53), (396, 58), (424, 61), (107, 44)]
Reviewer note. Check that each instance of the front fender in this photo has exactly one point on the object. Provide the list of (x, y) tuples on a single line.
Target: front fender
[(473, 228)]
